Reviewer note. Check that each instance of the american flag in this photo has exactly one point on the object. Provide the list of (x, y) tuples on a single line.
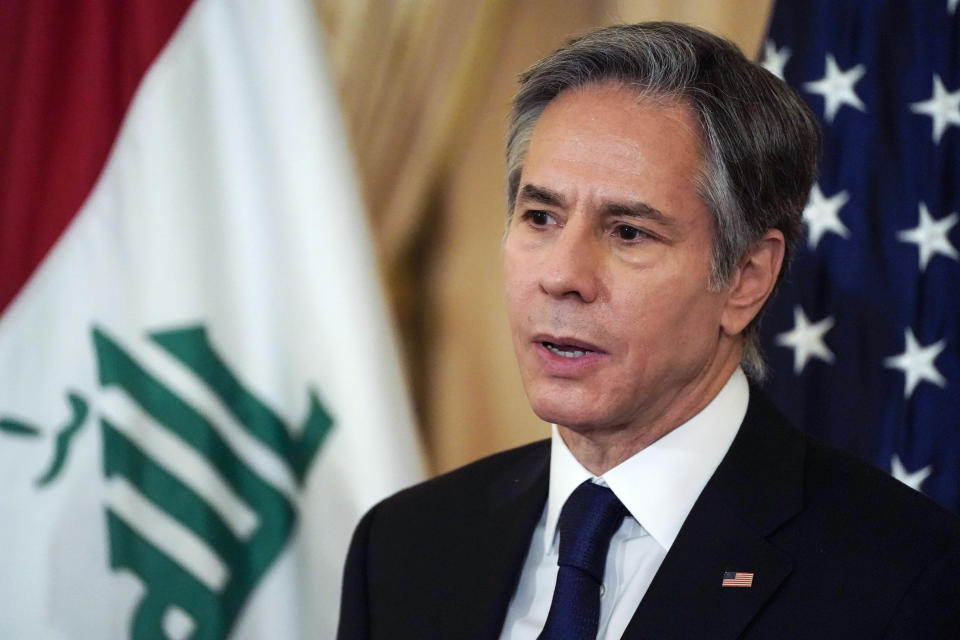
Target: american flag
[(737, 579), (864, 338)]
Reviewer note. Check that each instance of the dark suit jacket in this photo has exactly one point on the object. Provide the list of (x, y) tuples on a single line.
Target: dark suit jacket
[(838, 548)]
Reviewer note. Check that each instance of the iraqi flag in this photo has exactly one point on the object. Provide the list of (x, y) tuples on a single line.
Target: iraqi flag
[(199, 392)]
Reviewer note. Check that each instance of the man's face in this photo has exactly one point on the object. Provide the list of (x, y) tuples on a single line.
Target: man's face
[(607, 264)]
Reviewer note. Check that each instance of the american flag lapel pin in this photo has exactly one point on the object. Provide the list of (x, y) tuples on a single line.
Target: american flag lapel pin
[(737, 579)]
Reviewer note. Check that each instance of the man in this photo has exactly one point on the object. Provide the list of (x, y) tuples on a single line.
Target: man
[(656, 181)]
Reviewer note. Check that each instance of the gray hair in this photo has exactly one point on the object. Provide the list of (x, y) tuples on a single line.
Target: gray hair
[(761, 142)]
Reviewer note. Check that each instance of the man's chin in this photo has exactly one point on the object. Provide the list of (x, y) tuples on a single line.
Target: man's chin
[(567, 412)]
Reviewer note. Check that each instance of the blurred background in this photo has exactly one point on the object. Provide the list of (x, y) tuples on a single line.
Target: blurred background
[(425, 87)]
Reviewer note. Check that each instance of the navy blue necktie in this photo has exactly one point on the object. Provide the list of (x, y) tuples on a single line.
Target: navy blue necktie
[(589, 518)]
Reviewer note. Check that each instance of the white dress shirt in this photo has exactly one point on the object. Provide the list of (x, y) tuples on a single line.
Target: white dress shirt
[(657, 485)]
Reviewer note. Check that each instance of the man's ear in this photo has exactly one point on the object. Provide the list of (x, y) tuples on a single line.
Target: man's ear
[(753, 282)]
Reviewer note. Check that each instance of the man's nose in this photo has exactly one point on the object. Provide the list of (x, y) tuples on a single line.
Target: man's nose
[(572, 266)]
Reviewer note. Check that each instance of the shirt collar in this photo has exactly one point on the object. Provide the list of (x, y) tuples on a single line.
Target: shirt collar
[(659, 484)]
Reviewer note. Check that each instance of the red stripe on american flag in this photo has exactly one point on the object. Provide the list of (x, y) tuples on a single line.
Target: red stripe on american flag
[(68, 72)]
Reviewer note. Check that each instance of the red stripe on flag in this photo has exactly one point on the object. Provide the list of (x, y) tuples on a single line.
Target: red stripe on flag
[(68, 71)]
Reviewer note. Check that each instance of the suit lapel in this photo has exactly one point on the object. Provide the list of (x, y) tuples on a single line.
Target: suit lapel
[(514, 502), (756, 488)]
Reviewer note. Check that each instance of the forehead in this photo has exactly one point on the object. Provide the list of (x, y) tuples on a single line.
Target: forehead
[(611, 110), (609, 141)]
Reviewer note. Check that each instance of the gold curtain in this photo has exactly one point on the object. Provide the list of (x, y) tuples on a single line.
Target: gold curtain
[(426, 88)]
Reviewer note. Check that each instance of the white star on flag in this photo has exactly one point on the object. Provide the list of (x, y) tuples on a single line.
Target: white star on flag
[(774, 60), (951, 6), (806, 339), (822, 215), (917, 363), (836, 87), (930, 236), (943, 107), (912, 480)]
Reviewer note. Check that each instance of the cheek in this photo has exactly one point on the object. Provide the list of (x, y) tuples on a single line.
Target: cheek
[(671, 312), (516, 283)]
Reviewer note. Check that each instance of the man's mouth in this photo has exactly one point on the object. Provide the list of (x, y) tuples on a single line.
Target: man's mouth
[(566, 350)]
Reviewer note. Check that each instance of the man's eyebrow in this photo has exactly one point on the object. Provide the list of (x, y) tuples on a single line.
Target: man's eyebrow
[(552, 198), (541, 195), (637, 210)]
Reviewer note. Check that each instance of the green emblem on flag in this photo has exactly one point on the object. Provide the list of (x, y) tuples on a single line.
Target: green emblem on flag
[(171, 591)]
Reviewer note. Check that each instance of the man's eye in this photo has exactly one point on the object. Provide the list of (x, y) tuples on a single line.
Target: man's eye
[(538, 218), (626, 232)]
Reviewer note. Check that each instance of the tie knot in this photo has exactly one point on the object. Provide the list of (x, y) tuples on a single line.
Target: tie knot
[(589, 518)]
